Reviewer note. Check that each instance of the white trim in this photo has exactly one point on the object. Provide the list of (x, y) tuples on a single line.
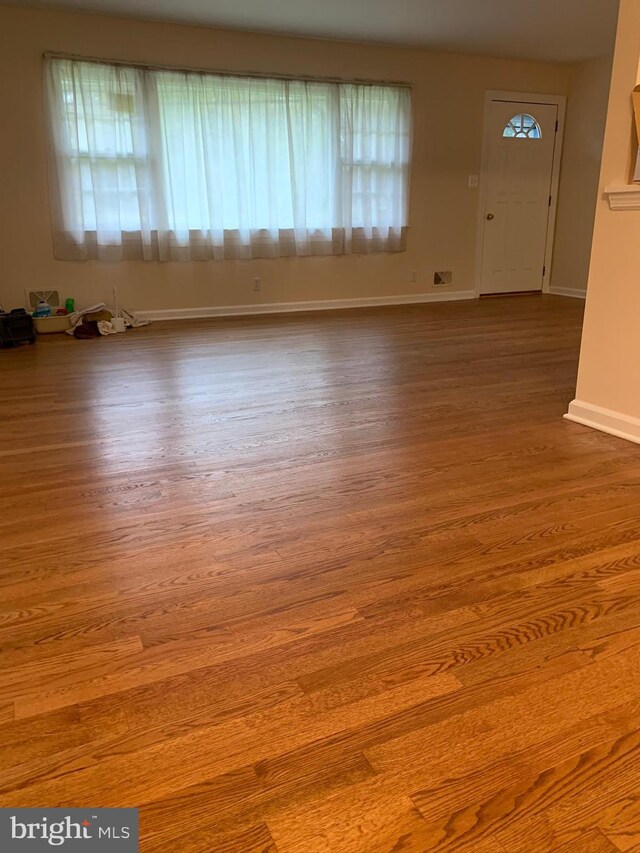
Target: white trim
[(317, 305), (574, 293), (625, 197), (522, 98), (605, 420)]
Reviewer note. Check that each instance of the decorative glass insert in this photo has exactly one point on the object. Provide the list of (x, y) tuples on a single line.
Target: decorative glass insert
[(522, 126)]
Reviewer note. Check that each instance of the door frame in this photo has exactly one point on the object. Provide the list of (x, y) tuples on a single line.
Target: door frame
[(524, 98)]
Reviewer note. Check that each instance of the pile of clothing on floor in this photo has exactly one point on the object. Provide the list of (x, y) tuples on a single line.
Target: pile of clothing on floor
[(99, 320)]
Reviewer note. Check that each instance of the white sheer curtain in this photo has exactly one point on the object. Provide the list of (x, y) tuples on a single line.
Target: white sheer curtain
[(181, 166)]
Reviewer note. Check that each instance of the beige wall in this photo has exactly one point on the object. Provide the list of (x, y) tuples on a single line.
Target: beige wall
[(448, 104), (610, 354), (586, 114)]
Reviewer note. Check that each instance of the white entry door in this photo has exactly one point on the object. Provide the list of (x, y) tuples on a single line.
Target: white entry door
[(520, 140)]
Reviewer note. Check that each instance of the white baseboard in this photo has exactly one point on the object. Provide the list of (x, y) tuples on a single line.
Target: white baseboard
[(317, 305), (568, 291), (606, 420)]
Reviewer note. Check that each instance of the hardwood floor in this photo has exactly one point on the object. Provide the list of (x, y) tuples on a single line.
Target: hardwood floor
[(325, 583)]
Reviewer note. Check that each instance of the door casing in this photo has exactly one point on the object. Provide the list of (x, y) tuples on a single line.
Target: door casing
[(527, 98)]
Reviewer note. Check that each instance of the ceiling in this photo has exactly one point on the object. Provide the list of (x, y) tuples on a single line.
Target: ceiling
[(557, 30)]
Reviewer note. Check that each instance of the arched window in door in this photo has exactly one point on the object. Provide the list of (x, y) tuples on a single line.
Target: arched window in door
[(522, 126)]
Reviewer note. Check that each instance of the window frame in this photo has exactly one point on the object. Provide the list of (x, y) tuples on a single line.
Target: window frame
[(378, 169)]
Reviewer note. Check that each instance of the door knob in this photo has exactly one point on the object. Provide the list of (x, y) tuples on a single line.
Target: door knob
[(490, 216)]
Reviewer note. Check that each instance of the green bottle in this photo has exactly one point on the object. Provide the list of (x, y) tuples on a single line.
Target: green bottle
[(70, 305)]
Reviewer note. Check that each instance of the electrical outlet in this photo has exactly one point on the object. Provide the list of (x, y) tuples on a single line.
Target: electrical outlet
[(443, 277), (257, 285), (414, 276)]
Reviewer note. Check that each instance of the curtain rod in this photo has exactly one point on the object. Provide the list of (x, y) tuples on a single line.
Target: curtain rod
[(250, 74)]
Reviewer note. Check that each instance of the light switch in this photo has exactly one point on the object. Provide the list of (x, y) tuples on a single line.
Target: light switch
[(473, 180)]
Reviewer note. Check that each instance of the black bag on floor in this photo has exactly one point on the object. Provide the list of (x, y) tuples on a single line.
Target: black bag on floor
[(16, 328)]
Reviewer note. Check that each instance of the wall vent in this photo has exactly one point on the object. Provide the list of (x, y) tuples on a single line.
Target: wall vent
[(443, 277), (51, 297)]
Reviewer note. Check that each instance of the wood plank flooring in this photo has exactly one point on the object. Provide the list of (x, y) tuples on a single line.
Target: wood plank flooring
[(322, 583)]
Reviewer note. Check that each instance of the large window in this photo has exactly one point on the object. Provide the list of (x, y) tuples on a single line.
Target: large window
[(173, 165)]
